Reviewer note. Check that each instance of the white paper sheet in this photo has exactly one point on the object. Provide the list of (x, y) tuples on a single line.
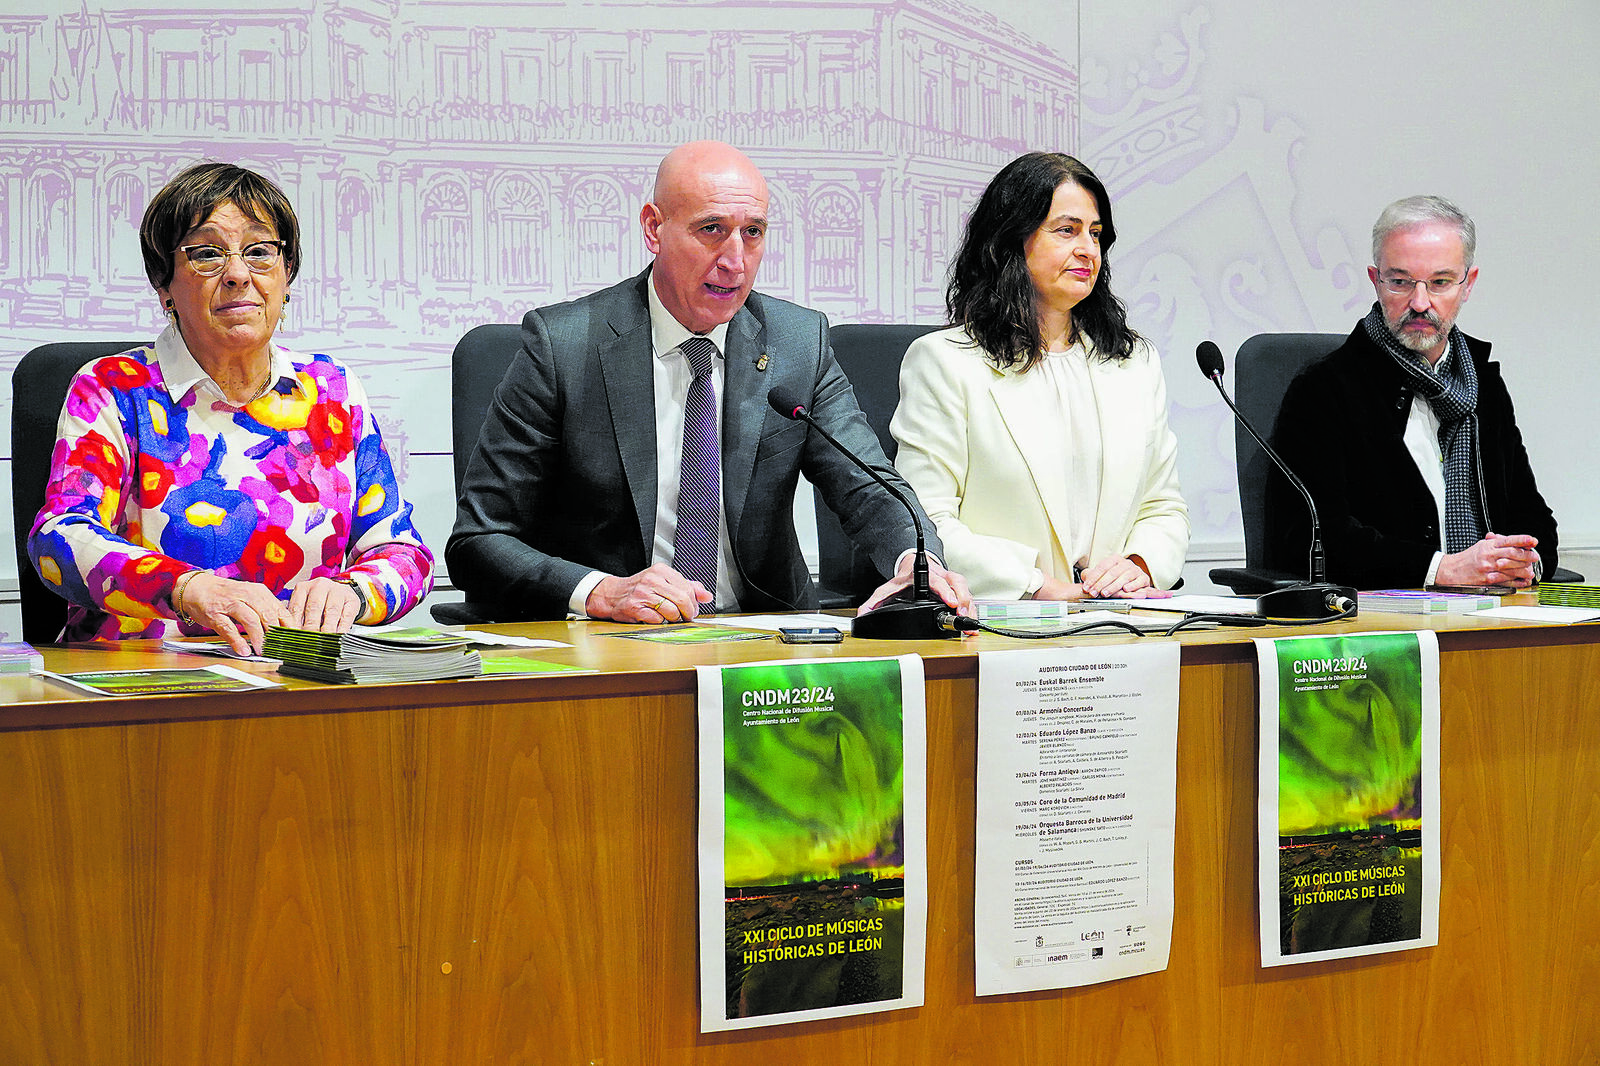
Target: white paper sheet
[(503, 640), (1201, 604), (1552, 615), (1077, 791)]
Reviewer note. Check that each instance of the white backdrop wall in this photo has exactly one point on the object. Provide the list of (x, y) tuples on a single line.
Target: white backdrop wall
[(455, 163), (1308, 119)]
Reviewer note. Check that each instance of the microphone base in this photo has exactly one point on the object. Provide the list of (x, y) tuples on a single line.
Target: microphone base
[(919, 620), (1304, 601)]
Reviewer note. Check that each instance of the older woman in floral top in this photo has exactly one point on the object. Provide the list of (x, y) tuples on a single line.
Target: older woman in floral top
[(215, 481)]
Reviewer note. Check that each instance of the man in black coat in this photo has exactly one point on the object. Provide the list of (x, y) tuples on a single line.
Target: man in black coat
[(1406, 436)]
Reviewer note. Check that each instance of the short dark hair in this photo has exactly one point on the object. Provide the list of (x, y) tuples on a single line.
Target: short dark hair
[(991, 292), (189, 199)]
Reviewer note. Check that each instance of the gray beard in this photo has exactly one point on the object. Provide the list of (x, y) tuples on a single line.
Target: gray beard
[(1421, 345)]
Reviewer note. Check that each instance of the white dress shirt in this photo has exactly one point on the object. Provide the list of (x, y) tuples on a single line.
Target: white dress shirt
[(1421, 439), (672, 375), (1065, 375)]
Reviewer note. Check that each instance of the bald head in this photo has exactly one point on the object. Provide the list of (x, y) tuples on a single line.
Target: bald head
[(692, 163), (706, 224)]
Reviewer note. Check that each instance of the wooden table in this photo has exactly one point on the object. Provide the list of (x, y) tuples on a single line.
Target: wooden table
[(502, 872)]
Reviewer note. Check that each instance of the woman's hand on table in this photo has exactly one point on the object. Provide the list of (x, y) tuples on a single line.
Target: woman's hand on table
[(325, 605), (240, 612), (1114, 577)]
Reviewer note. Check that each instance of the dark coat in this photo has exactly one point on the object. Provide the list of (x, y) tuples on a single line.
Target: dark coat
[(1341, 429)]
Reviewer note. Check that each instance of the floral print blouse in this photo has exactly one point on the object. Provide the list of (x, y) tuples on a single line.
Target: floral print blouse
[(155, 473)]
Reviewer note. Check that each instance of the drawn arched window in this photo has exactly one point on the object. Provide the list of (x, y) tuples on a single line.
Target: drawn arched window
[(354, 255), (124, 207), (522, 233), (836, 243), (49, 226), (598, 228), (445, 230)]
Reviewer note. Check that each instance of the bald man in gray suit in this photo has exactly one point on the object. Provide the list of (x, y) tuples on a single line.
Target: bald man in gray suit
[(570, 501)]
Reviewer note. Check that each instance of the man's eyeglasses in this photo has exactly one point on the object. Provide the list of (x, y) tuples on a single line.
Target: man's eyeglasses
[(209, 260), (1407, 286)]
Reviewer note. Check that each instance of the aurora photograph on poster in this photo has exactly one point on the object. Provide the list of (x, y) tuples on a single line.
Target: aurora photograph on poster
[(1348, 821), (812, 852)]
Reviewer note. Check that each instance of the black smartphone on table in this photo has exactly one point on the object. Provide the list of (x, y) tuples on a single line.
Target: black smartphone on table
[(811, 635)]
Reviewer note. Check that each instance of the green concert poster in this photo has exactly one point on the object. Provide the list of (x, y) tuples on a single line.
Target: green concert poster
[(1349, 795), (813, 866)]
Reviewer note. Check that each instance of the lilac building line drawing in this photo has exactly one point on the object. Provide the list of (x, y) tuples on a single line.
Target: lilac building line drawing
[(459, 163), (452, 173)]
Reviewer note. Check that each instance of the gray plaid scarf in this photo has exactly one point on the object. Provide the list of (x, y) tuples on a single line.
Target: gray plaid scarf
[(1453, 395)]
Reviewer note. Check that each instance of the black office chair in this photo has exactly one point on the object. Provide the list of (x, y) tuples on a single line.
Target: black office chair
[(38, 387), (479, 361), (870, 356), (1263, 369)]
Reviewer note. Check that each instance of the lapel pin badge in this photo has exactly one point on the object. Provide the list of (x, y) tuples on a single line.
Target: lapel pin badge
[(761, 363)]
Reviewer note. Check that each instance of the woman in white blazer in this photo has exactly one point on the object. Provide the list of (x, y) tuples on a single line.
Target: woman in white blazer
[(1034, 430)]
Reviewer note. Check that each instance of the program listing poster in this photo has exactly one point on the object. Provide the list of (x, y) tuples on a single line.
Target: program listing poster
[(1077, 794), (1349, 796), (813, 851)]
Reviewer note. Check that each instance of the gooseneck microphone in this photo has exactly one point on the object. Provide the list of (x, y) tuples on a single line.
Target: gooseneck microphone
[(1310, 599), (924, 616)]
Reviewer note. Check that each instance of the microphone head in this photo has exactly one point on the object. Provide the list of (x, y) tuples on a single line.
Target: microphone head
[(1209, 356), (786, 402)]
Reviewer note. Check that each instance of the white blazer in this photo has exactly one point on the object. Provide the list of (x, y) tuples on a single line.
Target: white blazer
[(981, 447)]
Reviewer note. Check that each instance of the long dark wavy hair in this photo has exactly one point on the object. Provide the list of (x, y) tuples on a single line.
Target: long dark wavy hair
[(991, 292)]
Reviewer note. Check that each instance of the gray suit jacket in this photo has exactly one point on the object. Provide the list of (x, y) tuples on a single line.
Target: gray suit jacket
[(563, 480)]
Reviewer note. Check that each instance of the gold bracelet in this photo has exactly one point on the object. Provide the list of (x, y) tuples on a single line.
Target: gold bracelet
[(177, 595)]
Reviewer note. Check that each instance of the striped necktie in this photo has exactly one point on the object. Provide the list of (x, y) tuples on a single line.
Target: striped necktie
[(694, 548)]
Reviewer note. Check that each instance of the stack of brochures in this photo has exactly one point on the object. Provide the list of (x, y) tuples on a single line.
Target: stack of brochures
[(384, 657), (20, 658), (1414, 601), (1558, 594), (1001, 612)]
